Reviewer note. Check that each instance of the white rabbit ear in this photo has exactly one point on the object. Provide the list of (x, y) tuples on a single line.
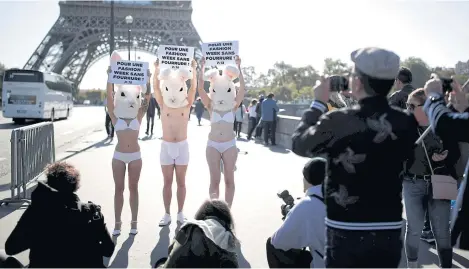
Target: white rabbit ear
[(165, 73), (115, 56), (231, 72), (183, 74), (211, 75)]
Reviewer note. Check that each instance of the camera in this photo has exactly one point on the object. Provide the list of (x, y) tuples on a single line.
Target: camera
[(445, 82), (338, 83), (288, 200)]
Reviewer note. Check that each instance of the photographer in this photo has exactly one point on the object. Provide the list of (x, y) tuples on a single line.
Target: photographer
[(451, 126), (303, 225), (366, 146)]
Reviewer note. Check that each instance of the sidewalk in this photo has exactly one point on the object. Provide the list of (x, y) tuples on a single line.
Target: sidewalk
[(261, 173)]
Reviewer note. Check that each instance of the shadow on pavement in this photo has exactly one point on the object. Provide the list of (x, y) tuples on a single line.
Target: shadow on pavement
[(161, 248), (7, 210), (122, 257), (102, 143), (242, 262), (278, 149), (5, 186), (11, 125), (461, 260)]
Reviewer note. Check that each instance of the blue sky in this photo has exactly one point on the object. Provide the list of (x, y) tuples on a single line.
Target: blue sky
[(299, 32)]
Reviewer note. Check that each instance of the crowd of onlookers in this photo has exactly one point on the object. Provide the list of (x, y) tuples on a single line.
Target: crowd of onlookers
[(364, 161)]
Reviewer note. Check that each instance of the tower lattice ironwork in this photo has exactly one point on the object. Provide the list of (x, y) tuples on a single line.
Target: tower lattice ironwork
[(80, 36)]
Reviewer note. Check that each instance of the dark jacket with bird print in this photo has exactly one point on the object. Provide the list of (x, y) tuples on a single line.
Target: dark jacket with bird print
[(366, 146)]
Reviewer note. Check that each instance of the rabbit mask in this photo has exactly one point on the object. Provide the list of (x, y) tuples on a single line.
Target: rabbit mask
[(222, 89), (173, 87), (127, 101)]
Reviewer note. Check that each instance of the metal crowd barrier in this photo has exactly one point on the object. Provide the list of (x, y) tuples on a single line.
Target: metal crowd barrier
[(32, 149)]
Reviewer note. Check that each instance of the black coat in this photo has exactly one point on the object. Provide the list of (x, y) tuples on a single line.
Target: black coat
[(61, 232)]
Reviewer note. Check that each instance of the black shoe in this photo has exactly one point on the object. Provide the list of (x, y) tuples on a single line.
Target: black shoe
[(146, 132), (427, 237)]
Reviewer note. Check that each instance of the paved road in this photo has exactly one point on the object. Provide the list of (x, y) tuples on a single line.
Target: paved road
[(256, 209), (83, 120)]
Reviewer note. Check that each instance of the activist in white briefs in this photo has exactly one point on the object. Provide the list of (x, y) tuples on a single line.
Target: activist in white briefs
[(171, 93), (126, 110), (222, 102)]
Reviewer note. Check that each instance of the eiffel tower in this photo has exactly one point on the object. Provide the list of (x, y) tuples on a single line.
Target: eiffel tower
[(81, 34)]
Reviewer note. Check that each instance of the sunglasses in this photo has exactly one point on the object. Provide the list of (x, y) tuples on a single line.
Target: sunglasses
[(412, 106)]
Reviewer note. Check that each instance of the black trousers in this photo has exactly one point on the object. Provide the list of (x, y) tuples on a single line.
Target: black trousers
[(363, 249), (152, 119), (237, 127), (108, 125), (426, 225), (252, 126), (269, 131), (258, 127)]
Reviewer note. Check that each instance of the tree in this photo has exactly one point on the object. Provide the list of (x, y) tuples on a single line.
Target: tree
[(335, 67), (249, 74), (420, 71)]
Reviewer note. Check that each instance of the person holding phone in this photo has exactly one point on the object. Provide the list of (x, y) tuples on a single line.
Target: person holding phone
[(430, 155)]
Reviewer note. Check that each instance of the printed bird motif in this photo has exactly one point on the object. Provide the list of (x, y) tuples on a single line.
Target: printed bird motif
[(383, 127), (341, 197), (348, 159)]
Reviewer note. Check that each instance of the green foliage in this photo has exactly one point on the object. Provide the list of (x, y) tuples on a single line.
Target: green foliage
[(290, 83)]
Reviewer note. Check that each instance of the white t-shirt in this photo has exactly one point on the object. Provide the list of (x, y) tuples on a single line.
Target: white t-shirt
[(252, 111), (239, 113)]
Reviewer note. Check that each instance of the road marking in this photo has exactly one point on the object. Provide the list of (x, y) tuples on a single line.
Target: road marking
[(2, 159)]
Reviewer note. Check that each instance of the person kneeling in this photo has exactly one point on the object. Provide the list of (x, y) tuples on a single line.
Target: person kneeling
[(206, 242), (304, 225), (58, 229)]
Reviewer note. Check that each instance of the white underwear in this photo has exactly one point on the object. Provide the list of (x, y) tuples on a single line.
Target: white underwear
[(127, 157), (221, 146), (174, 153)]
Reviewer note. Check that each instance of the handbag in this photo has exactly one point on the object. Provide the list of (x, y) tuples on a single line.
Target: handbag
[(444, 187)]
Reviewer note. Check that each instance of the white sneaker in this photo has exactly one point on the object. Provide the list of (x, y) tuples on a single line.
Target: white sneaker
[(181, 218), (166, 220)]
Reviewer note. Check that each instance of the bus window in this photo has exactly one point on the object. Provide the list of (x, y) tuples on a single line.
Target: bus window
[(23, 76)]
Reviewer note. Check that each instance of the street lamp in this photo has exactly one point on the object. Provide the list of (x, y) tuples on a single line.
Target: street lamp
[(129, 20), (135, 49)]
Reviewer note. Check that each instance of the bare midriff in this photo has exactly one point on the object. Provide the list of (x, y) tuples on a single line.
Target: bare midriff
[(127, 140), (174, 122), (221, 131)]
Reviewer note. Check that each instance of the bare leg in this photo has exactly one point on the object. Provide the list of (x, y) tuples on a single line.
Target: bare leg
[(118, 172), (135, 167), (229, 161), (181, 185), (168, 171), (213, 160)]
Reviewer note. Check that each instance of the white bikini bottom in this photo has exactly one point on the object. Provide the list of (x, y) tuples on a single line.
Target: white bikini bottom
[(127, 157), (221, 146)]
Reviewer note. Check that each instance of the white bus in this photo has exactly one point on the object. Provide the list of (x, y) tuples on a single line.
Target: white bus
[(30, 94)]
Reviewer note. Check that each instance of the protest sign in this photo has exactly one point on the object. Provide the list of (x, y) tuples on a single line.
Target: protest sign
[(128, 72), (220, 53), (175, 56)]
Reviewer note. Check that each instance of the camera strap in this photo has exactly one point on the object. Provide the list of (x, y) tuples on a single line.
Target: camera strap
[(317, 197)]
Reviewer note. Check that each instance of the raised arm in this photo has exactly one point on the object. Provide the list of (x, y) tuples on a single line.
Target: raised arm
[(144, 108), (202, 93), (241, 91), (193, 89), (110, 98), (156, 84)]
